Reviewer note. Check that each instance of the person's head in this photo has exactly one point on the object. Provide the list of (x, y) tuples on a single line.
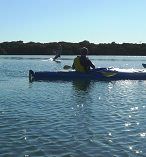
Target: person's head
[(84, 51)]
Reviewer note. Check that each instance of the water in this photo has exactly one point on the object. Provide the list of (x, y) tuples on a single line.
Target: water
[(70, 118)]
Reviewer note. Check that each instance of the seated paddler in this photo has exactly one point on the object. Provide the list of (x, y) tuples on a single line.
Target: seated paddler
[(82, 63)]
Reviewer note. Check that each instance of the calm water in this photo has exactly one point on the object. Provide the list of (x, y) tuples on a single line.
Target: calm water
[(70, 119)]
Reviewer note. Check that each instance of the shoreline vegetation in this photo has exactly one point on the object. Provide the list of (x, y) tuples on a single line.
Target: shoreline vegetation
[(68, 48)]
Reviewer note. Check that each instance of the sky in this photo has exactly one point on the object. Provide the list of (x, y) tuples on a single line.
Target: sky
[(97, 21)]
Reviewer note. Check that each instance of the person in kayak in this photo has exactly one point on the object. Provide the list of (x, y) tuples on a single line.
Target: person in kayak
[(82, 63), (58, 51)]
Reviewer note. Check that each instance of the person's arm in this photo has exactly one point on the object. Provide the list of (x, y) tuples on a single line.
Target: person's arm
[(73, 66), (92, 65)]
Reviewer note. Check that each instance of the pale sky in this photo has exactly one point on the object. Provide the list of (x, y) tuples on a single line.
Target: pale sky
[(98, 21)]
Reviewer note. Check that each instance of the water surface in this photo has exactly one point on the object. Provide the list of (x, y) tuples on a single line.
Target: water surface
[(70, 118)]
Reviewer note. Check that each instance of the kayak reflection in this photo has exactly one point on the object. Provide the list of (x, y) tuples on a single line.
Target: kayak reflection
[(81, 85)]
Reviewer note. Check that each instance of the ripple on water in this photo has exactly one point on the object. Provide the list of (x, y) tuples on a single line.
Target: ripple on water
[(69, 119)]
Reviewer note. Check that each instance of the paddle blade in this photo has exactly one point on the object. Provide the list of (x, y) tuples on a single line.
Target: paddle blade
[(66, 67), (144, 65), (109, 74)]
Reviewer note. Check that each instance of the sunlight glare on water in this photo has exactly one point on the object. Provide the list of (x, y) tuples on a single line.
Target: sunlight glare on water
[(70, 118)]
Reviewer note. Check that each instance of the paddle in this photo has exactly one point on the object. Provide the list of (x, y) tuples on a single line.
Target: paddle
[(108, 73), (144, 65), (66, 67)]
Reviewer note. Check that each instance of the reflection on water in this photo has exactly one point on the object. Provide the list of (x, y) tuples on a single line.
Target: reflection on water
[(83, 85), (70, 118), (82, 111)]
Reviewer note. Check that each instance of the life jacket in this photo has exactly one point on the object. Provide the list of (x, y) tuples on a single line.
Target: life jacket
[(78, 66)]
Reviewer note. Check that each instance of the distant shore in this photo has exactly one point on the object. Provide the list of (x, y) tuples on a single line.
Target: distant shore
[(36, 48)]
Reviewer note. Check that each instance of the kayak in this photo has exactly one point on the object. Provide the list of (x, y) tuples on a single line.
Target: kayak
[(97, 74)]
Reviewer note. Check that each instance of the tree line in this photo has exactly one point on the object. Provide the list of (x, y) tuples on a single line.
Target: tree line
[(68, 48)]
